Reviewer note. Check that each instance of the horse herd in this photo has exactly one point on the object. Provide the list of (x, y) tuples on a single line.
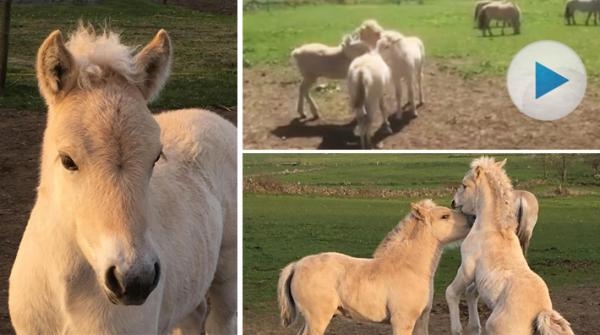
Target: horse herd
[(371, 59), (395, 286)]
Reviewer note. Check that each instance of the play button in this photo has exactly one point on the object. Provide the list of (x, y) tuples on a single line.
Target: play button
[(546, 80)]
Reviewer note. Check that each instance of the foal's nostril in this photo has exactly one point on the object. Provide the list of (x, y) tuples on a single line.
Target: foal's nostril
[(156, 275), (453, 204), (112, 282)]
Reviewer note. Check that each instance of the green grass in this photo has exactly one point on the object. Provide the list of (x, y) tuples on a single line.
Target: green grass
[(565, 249), (413, 171), (204, 64), (446, 27)]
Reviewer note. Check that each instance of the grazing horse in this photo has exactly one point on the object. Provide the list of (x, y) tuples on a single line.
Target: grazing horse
[(394, 286), (592, 7), (526, 209), (509, 13), (493, 259), (134, 225)]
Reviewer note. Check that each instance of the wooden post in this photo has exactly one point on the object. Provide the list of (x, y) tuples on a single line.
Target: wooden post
[(4, 30)]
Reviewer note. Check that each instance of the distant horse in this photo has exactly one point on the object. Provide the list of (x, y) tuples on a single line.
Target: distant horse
[(394, 286), (592, 7), (508, 13), (134, 224), (492, 258)]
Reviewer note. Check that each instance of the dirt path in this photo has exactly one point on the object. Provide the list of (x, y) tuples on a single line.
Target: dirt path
[(579, 305), (20, 139), (458, 114)]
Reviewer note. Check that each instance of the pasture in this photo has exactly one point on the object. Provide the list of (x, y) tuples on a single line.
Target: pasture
[(295, 205), (464, 81), (203, 75)]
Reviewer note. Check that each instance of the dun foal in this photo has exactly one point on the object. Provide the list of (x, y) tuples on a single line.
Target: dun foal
[(134, 224), (395, 286), (493, 259)]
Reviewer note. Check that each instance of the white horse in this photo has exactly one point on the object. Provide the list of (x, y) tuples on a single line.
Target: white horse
[(368, 76), (395, 286), (315, 60), (527, 210), (404, 55), (134, 224), (592, 7), (493, 259)]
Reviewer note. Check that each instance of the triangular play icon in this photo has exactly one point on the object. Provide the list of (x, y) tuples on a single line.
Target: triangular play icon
[(546, 80)]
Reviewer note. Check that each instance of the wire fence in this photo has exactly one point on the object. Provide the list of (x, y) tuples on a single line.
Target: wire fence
[(270, 4)]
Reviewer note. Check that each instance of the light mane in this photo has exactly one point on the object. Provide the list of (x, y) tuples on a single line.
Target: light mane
[(404, 231), (99, 56), (371, 25), (501, 188)]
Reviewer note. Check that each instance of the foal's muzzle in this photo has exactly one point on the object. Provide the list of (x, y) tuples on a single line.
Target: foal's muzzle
[(131, 288)]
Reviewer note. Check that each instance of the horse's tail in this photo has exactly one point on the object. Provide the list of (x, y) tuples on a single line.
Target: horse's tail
[(287, 306), (523, 232), (552, 323), (481, 19), (358, 96), (568, 10)]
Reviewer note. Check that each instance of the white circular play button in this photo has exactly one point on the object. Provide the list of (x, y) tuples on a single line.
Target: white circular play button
[(546, 80)]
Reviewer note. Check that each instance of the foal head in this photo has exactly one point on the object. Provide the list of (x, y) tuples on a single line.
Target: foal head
[(100, 147), (354, 48), (485, 175), (369, 31), (445, 224)]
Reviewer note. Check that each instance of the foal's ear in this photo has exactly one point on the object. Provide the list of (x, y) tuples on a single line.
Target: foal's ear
[(478, 172), (501, 163), (55, 67), (418, 211), (154, 64)]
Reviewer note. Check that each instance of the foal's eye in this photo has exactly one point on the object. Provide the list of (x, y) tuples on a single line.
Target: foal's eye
[(445, 216), (68, 163), (158, 157)]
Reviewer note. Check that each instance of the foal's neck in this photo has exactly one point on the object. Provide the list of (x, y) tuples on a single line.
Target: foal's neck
[(421, 253), (490, 208)]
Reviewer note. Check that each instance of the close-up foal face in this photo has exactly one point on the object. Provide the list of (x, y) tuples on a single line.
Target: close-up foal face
[(465, 197), (449, 225), (101, 147)]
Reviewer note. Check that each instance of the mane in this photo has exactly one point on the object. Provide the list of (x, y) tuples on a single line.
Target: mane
[(371, 25), (403, 231), (100, 55), (501, 188)]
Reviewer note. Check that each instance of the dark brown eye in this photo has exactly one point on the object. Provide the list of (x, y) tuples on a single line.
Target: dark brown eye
[(68, 163), (445, 216), (158, 157)]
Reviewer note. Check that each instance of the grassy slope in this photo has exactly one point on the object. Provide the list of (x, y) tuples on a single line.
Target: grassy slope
[(279, 229), (204, 66), (446, 27)]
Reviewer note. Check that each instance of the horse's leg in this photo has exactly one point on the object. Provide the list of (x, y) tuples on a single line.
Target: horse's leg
[(422, 325), (368, 120), (410, 85), (222, 294), (307, 83), (194, 322), (464, 278), (401, 324), (474, 326), (587, 20), (398, 88), (301, 95), (386, 122), (420, 83)]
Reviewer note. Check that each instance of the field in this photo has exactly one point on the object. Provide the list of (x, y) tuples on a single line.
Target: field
[(299, 205), (203, 75), (465, 85)]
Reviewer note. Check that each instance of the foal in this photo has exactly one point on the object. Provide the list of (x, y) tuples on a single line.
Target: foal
[(493, 259), (395, 286)]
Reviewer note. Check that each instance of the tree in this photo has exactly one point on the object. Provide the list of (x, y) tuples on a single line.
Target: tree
[(4, 28)]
